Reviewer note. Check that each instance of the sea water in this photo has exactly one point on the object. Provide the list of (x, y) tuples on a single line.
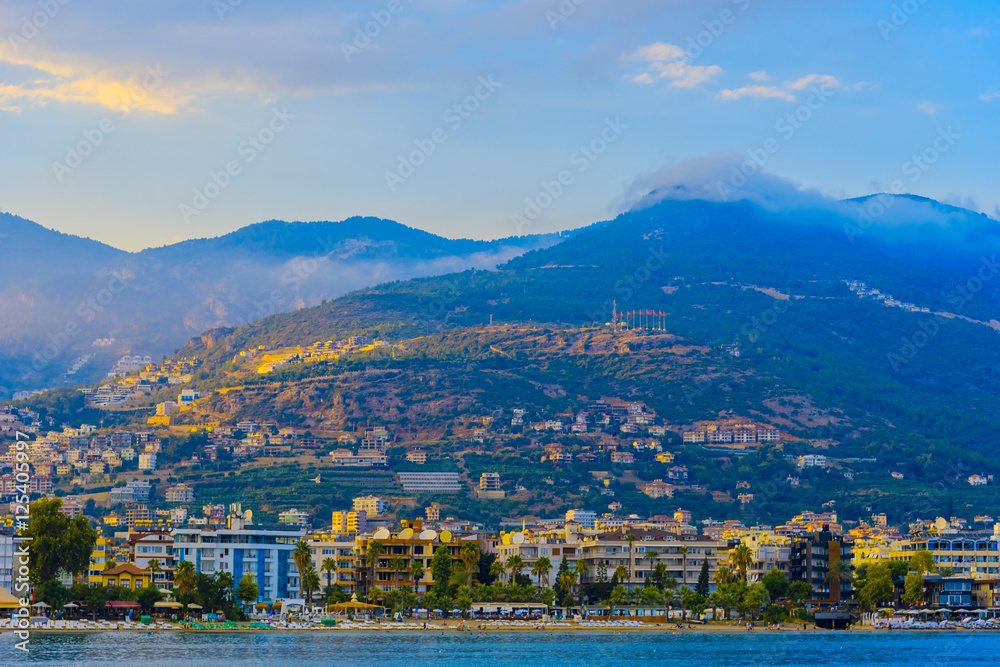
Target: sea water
[(522, 649)]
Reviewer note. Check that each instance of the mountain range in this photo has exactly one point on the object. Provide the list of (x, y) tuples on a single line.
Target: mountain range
[(65, 292)]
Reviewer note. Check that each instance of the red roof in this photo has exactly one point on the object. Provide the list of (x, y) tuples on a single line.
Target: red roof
[(123, 604)]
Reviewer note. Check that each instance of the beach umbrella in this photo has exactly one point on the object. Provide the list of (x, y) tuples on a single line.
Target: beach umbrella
[(40, 605), (194, 606), (71, 605), (262, 605)]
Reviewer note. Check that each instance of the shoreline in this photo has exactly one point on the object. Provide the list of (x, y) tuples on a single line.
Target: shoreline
[(452, 628)]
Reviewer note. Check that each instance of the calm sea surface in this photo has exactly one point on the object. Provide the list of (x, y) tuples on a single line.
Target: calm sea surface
[(370, 650)]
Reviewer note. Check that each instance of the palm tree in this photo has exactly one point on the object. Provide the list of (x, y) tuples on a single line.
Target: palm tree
[(329, 565), (302, 556), (309, 581), (184, 577), (515, 565), (372, 554), (541, 570), (567, 580), (581, 571), (686, 594), (153, 566), (683, 551), (397, 564), (630, 538), (839, 574), (742, 558), (723, 575), (652, 556), (498, 569), (470, 558), (416, 573), (621, 572)]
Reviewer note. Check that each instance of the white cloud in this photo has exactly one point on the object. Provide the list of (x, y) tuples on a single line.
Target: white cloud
[(990, 95), (927, 108), (758, 76), (658, 51), (666, 62), (822, 79), (756, 91)]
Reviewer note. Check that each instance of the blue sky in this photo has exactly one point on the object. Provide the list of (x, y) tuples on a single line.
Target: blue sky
[(198, 117)]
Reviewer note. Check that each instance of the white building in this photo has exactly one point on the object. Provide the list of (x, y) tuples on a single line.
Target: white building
[(264, 552), (585, 518), (147, 461), (182, 493), (430, 482)]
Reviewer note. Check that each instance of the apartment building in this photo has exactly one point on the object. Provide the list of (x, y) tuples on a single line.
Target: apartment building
[(264, 551)]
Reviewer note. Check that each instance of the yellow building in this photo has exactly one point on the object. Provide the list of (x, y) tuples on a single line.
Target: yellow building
[(126, 576), (99, 557)]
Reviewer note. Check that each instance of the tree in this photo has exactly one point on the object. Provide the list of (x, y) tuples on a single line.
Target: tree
[(463, 599), (776, 583), (247, 590), (741, 558), (567, 582), (470, 558), (703, 584), (515, 565), (617, 597), (630, 538), (329, 565), (652, 556), (687, 595), (683, 551), (302, 556), (184, 577), (498, 569), (310, 582), (757, 597), (723, 575), (416, 573), (148, 596), (581, 572), (877, 588), (715, 601), (441, 571), (798, 591), (541, 570), (838, 576), (372, 555), (153, 566), (914, 585), (621, 572), (397, 564), (922, 562), (58, 543)]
